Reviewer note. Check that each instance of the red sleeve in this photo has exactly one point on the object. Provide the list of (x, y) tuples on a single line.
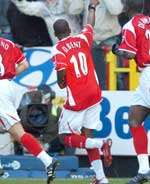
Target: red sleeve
[(18, 55), (128, 42), (88, 33), (59, 61), (128, 38)]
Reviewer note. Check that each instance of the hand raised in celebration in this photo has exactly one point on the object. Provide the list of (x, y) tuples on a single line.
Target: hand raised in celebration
[(94, 2)]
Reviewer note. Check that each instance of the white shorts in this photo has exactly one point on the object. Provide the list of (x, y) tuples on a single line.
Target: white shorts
[(142, 94), (74, 121), (8, 113)]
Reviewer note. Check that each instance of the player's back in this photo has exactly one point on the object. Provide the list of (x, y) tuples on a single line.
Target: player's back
[(141, 24), (5, 58), (82, 84), (9, 56)]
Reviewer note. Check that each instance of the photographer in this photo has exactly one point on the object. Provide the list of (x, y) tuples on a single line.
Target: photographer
[(27, 24), (39, 117)]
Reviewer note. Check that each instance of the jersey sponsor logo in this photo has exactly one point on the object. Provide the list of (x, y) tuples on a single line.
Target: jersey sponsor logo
[(41, 68)]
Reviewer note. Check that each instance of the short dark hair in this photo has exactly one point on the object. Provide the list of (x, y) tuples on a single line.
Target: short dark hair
[(147, 7), (61, 26), (137, 6)]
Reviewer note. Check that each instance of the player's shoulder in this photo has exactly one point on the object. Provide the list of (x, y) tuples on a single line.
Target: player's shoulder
[(138, 16), (133, 23), (87, 30), (88, 27), (140, 19), (56, 50), (6, 41)]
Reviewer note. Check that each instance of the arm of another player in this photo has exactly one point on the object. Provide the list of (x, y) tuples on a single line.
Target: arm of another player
[(126, 45), (21, 62), (122, 53), (22, 66)]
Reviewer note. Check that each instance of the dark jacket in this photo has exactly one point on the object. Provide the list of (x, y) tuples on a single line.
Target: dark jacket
[(27, 30)]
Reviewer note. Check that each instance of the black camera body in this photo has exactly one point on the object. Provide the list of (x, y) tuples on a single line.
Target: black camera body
[(35, 110)]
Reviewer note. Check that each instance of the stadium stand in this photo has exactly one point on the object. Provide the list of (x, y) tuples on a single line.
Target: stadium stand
[(30, 167)]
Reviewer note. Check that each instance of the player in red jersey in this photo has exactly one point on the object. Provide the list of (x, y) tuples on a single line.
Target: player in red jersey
[(136, 44), (76, 73), (12, 63)]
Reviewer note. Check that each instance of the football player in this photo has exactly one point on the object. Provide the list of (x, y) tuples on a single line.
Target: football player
[(12, 63), (76, 73), (135, 43)]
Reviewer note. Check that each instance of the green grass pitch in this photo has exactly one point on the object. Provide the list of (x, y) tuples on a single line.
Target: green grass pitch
[(58, 181)]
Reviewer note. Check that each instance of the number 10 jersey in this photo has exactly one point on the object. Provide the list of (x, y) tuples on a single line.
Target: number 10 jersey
[(74, 55)]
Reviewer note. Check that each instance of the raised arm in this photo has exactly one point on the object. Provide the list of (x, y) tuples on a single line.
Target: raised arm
[(91, 12)]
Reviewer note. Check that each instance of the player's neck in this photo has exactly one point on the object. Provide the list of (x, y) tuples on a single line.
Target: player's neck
[(62, 36)]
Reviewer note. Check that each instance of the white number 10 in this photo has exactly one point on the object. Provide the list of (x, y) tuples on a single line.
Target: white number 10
[(2, 69), (81, 66)]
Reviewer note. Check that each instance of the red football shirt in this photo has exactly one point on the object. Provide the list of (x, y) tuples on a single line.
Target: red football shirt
[(136, 39), (10, 56), (74, 54)]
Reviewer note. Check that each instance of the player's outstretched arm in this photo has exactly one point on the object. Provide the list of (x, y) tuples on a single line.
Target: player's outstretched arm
[(121, 53), (91, 12)]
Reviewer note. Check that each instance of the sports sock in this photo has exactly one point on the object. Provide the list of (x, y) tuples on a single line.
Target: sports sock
[(143, 161), (98, 169), (93, 143), (35, 148), (75, 141), (140, 140), (45, 158), (31, 144), (96, 163), (81, 141), (93, 154)]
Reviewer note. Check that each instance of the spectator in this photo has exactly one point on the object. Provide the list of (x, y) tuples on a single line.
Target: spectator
[(106, 29), (69, 10), (4, 25), (27, 30), (49, 11)]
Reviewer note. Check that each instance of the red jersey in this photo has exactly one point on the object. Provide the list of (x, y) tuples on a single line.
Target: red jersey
[(10, 56), (74, 54), (136, 39)]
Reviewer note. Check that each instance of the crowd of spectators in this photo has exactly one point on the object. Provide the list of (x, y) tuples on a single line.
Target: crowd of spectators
[(29, 23)]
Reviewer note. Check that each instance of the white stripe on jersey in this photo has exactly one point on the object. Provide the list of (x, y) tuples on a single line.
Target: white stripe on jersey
[(129, 26), (55, 51), (82, 36), (70, 97), (133, 52)]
